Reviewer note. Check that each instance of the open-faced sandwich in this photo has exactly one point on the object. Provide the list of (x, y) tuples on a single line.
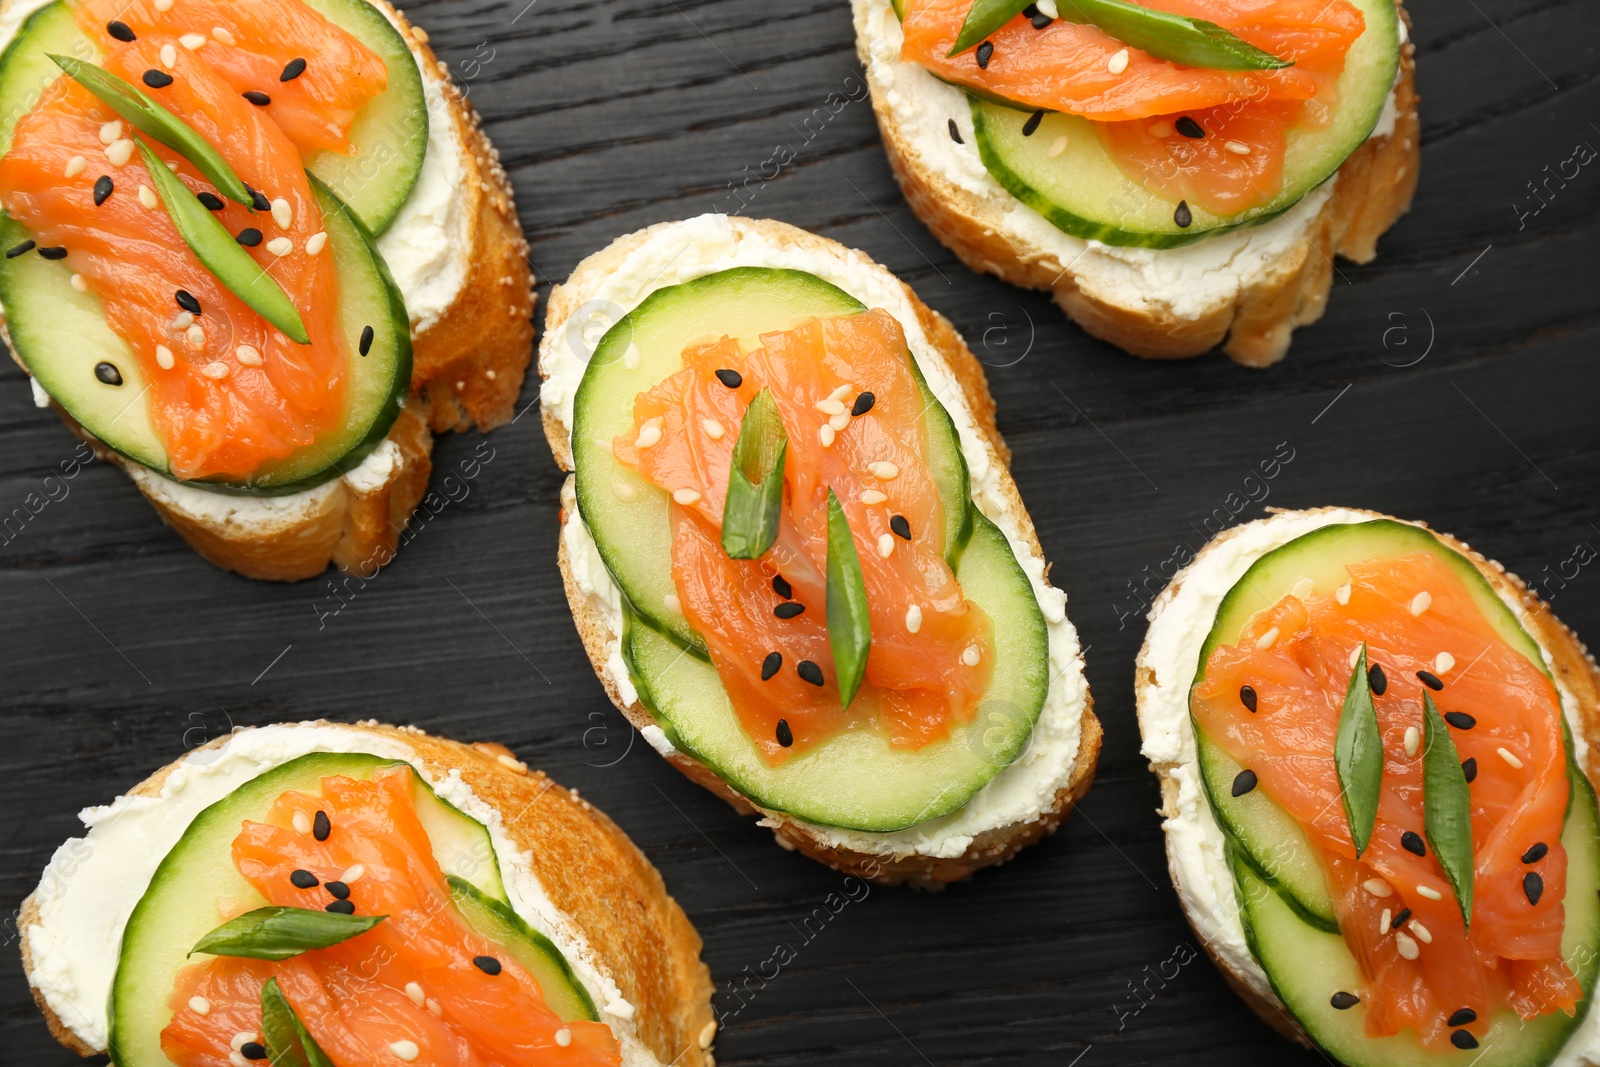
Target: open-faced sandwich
[(795, 553), (255, 253), (320, 894), (1174, 172), (1376, 749)]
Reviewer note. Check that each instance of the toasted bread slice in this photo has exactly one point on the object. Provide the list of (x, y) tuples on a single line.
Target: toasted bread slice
[(1065, 771), (628, 928), (1164, 672), (1247, 289), (468, 362)]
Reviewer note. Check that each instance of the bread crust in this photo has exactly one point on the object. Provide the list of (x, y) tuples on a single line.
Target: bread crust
[(587, 866), (1374, 188), (987, 849), (1571, 662), (467, 369)]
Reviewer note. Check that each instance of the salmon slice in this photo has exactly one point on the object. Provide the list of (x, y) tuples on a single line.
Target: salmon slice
[(1512, 954), (918, 685), (410, 978), (249, 45), (220, 415)]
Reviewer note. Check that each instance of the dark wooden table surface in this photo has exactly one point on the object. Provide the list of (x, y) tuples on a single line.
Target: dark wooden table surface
[(1453, 380)]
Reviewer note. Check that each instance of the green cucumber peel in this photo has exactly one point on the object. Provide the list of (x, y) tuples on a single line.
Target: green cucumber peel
[(755, 481), (1358, 753), (1176, 38), (1447, 805), (217, 250), (849, 623), (288, 1042), (277, 933), (151, 119)]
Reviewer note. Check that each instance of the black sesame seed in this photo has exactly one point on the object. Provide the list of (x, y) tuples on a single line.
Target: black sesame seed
[(1412, 842), (1536, 853), (1460, 720), (1247, 697), (810, 672), (731, 378), (1462, 1017), (212, 201), (303, 879), (253, 1050), (249, 237), (1033, 123), (365, 344), (1469, 767), (54, 252), (292, 69), (102, 189), (157, 79), (900, 526), (1343, 1001), (338, 890), (1377, 680), (1401, 919), (1430, 680), (785, 735), (771, 665), (108, 373), (120, 30), (258, 199), (1533, 886), (955, 132), (1182, 215), (187, 301), (321, 827), (782, 587), (1244, 782), (341, 907), (1189, 127), (788, 610), (863, 404), (1041, 21), (16, 250), (257, 97), (486, 964), (985, 50), (1463, 1040)]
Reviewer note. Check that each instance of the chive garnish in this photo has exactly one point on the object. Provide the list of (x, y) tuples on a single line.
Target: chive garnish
[(1176, 38), (221, 254), (149, 117), (276, 933), (755, 481), (288, 1042), (1446, 805), (1358, 754), (849, 627)]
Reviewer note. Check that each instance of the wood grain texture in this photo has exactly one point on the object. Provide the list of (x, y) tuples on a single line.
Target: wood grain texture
[(119, 647)]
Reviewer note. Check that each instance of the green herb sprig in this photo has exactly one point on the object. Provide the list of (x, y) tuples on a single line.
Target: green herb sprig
[(849, 622), (277, 933), (755, 481), (1447, 805), (1358, 754)]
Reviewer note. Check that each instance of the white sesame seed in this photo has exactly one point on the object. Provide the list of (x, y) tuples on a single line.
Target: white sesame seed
[(630, 358), (713, 429), (315, 242), (686, 496), (302, 822), (248, 355), (1268, 639), (649, 433), (147, 197), (236, 1059), (1302, 587), (1342, 594), (1443, 663), (886, 545), (195, 335), (192, 41), (971, 655), (415, 994), (221, 33), (839, 421), (883, 470), (913, 619), (624, 491), (181, 321), (405, 1050), (434, 1009), (1118, 63), (1377, 887), (1047, 8), (1413, 740), (241, 1039), (280, 246), (200, 1005), (119, 151), (1421, 602), (79, 284), (708, 1033), (216, 371), (841, 391), (1238, 148), (282, 213), (169, 56), (1408, 948), (1429, 892), (1160, 130), (75, 166), (1355, 654), (1058, 146), (164, 358), (111, 131), (1510, 758), (511, 763), (1383, 923), (354, 874), (164, 5), (672, 603), (489, 373), (830, 406), (870, 497), (1422, 932), (826, 435), (172, 165), (563, 1037)]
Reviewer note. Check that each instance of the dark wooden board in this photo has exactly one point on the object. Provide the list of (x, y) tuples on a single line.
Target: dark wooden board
[(1453, 380)]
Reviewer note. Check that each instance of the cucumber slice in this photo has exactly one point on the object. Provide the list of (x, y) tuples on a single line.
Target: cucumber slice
[(504, 927), (1083, 192), (856, 780), (1306, 966), (171, 915), (60, 334), (744, 302), (1268, 838)]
